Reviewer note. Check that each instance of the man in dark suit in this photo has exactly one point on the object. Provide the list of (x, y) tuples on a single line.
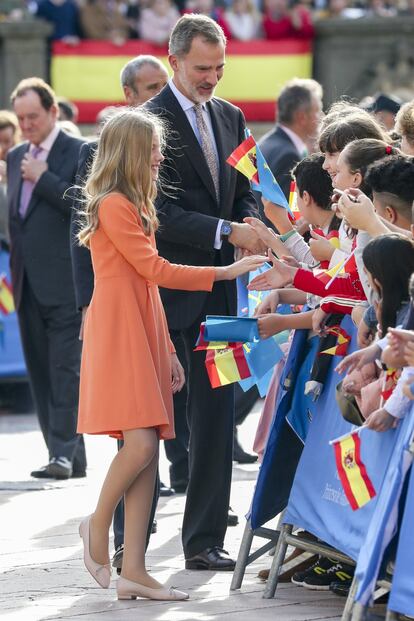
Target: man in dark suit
[(40, 171), (299, 109), (201, 222)]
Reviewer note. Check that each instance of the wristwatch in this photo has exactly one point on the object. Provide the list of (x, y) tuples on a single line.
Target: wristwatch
[(225, 230)]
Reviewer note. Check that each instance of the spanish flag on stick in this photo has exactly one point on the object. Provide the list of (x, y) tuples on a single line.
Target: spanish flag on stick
[(352, 473), (248, 159), (6, 296), (225, 366), (293, 203)]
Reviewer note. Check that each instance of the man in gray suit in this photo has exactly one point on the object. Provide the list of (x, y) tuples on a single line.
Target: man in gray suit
[(40, 171), (299, 110)]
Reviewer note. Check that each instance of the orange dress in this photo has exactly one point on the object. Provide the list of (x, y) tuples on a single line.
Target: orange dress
[(125, 378)]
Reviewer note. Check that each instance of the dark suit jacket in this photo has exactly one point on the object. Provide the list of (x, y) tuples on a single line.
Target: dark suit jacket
[(40, 245), (188, 209), (81, 257), (281, 155)]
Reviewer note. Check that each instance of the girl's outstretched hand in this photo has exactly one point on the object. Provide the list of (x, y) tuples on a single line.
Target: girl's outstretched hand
[(244, 265), (277, 277), (358, 359), (267, 235)]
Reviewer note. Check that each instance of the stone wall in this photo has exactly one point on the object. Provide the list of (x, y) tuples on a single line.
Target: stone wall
[(23, 47), (357, 57), (353, 57)]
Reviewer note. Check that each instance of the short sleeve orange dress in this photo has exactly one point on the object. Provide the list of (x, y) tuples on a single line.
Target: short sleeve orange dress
[(125, 380)]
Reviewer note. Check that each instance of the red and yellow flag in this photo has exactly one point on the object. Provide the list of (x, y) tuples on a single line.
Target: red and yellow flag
[(243, 159), (389, 383), (6, 296), (343, 340), (352, 473), (293, 203), (225, 366)]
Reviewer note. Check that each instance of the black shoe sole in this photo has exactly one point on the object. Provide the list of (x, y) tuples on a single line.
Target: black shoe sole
[(199, 565)]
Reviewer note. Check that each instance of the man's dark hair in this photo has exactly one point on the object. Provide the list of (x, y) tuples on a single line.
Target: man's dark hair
[(67, 110), (189, 27), (393, 179), (296, 95), (312, 178), (46, 95)]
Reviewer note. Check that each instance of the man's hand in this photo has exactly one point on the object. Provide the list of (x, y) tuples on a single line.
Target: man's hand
[(244, 237), (380, 420), (177, 374), (320, 247), (32, 169), (268, 325), (267, 236), (277, 277), (268, 305)]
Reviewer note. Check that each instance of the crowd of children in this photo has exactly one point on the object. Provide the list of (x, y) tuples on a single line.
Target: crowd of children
[(357, 259)]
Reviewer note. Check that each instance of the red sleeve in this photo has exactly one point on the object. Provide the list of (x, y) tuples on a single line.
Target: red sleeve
[(339, 304), (343, 286), (307, 30)]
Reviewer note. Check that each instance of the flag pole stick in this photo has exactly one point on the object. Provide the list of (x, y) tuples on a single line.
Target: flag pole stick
[(341, 266), (346, 435)]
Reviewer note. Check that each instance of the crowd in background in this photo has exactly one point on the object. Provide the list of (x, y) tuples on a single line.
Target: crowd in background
[(153, 20)]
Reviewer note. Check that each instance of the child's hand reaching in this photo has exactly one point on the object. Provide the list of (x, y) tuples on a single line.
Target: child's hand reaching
[(268, 305), (277, 277), (320, 247), (269, 325), (318, 321), (380, 420)]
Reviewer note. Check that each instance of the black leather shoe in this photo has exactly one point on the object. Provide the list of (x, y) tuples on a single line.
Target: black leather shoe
[(165, 490), (78, 474), (180, 486), (240, 455), (214, 559), (232, 519), (58, 468)]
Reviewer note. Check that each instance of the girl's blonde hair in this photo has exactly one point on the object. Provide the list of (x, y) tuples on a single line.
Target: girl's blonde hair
[(123, 164)]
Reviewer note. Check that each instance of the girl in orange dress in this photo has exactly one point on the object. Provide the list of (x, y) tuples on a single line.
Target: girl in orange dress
[(129, 367)]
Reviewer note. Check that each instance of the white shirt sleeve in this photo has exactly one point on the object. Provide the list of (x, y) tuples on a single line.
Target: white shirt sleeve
[(398, 404), (217, 240)]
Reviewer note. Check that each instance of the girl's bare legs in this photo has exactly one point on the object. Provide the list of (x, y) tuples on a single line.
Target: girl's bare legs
[(138, 501), (139, 452)]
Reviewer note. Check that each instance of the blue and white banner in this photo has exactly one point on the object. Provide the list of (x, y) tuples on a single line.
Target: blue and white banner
[(402, 591)]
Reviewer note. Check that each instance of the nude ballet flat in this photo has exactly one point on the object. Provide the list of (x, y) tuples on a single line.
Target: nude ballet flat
[(127, 589), (101, 573)]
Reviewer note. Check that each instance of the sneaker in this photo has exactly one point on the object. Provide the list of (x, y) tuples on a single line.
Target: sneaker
[(319, 568), (340, 588), (118, 557), (321, 581)]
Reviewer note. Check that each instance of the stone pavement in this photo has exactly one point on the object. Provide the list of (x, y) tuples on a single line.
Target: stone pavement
[(41, 571)]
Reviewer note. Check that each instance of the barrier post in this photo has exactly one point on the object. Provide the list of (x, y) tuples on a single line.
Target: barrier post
[(277, 562)]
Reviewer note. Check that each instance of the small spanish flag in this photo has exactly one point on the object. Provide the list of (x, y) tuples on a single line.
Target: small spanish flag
[(352, 473), (389, 383), (226, 366), (6, 296), (343, 340), (293, 203), (244, 160)]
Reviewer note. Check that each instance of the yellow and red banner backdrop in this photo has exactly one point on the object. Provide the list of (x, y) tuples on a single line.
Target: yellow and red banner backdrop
[(88, 74)]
